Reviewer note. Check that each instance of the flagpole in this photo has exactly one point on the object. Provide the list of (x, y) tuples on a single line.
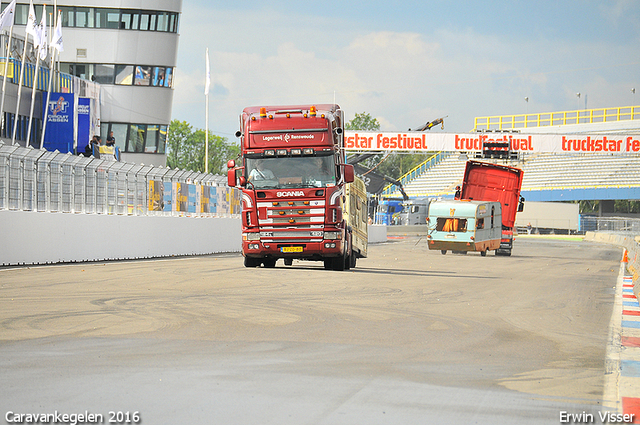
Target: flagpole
[(206, 95), (6, 69), (24, 60), (41, 42), (54, 48), (45, 116), (4, 79)]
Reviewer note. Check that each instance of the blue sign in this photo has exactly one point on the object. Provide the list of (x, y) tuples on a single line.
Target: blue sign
[(59, 130), (84, 122)]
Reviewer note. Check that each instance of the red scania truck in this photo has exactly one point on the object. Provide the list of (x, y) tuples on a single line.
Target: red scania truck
[(485, 181), (300, 200)]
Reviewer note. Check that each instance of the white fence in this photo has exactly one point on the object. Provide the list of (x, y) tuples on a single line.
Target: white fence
[(58, 207), (43, 181)]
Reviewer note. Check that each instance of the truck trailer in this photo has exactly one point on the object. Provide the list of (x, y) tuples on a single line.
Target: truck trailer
[(300, 200)]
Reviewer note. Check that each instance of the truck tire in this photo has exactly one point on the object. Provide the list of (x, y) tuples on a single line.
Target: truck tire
[(483, 253), (443, 251), (251, 262), (353, 258), (288, 261), (269, 263), (328, 264)]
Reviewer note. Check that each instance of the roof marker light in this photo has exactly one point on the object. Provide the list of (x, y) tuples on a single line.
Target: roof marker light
[(263, 112), (312, 111)]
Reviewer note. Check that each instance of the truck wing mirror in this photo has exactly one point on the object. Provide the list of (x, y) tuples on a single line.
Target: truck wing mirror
[(231, 177), (521, 204), (349, 175), (231, 164)]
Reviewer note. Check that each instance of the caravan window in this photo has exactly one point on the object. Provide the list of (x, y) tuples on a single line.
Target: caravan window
[(446, 224)]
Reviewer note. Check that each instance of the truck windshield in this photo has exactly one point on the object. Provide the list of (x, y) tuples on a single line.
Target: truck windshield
[(288, 172)]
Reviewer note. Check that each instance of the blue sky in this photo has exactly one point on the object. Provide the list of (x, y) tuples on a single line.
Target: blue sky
[(408, 62)]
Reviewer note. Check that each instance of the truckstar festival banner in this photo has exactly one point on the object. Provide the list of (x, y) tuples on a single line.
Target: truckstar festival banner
[(465, 142)]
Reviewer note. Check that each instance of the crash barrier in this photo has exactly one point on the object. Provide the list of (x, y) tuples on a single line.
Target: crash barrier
[(58, 207), (630, 242), (43, 181), (377, 233)]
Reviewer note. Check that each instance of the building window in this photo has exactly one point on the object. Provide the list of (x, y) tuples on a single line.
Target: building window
[(84, 17), (151, 146), (137, 133), (108, 18), (147, 138), (143, 75), (162, 139), (104, 74), (68, 16), (158, 76), (168, 80), (124, 75), (89, 17)]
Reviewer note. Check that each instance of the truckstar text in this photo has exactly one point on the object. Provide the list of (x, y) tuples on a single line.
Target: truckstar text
[(600, 145)]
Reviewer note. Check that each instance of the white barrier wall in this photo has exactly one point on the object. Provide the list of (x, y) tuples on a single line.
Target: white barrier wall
[(632, 246), (377, 233), (40, 238)]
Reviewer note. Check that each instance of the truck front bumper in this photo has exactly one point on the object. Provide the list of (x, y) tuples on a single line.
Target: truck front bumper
[(302, 250)]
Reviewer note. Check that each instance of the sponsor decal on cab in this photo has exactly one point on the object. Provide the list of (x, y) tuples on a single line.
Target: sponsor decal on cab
[(290, 193)]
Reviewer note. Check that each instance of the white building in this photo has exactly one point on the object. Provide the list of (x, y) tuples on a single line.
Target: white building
[(128, 47)]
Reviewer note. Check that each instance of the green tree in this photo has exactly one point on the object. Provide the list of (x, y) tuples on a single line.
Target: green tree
[(186, 149), (395, 164), (363, 122)]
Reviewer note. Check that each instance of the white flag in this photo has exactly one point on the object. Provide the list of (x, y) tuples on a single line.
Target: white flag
[(6, 17), (42, 35), (32, 24), (56, 41), (207, 82)]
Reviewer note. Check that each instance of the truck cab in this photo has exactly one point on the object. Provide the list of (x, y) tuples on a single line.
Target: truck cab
[(294, 181)]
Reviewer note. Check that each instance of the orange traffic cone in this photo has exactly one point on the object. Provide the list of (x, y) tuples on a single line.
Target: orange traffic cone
[(625, 258)]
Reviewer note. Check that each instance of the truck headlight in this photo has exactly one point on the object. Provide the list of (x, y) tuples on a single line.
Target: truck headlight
[(332, 235), (253, 236)]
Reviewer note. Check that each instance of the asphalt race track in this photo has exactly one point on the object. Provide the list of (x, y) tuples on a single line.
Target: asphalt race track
[(410, 336)]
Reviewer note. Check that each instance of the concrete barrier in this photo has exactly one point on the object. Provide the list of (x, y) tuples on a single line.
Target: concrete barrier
[(44, 238), (377, 233), (629, 242)]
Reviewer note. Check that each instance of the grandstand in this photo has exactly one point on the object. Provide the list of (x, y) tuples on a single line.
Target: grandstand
[(547, 176)]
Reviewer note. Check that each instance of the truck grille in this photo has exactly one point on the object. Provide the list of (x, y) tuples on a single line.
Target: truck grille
[(291, 221)]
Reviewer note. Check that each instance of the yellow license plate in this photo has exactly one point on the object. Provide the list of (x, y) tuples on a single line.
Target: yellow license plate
[(291, 249)]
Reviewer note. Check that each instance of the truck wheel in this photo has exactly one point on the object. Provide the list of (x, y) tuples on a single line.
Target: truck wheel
[(328, 264), (269, 263), (288, 261), (338, 263), (354, 258), (483, 253), (443, 251), (251, 262)]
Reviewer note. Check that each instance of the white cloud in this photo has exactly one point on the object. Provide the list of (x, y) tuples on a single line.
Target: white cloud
[(404, 79)]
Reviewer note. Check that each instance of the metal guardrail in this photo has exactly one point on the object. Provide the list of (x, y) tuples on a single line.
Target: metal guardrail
[(42, 181), (415, 172), (621, 225), (586, 116)]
